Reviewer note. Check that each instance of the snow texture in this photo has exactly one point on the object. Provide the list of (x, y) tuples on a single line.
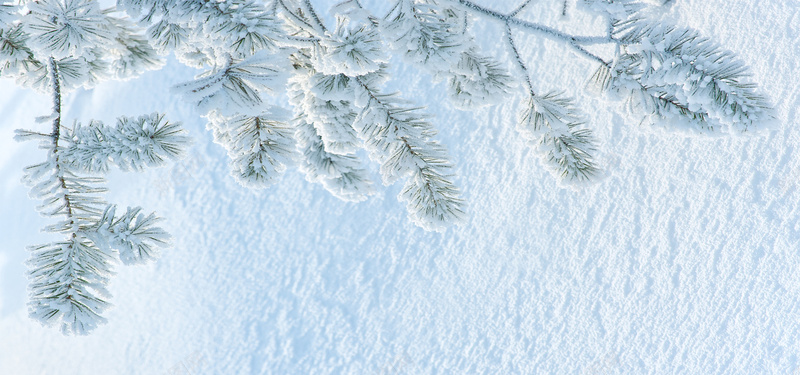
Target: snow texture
[(683, 260)]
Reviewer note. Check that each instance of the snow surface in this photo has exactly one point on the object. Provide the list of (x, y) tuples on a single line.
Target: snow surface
[(683, 260)]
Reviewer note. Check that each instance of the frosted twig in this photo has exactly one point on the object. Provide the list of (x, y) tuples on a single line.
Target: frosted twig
[(301, 22), (535, 27), (520, 8), (56, 85), (573, 41), (518, 59), (57, 133)]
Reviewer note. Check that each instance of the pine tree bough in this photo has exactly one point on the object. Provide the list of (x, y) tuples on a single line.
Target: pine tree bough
[(55, 46), (334, 79), (251, 50)]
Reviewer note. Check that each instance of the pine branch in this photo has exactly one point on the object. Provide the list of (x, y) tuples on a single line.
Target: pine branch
[(77, 303), (326, 101), (352, 52), (247, 29), (67, 278), (61, 29), (683, 75), (132, 234), (336, 75), (400, 138), (235, 88), (424, 34), (14, 53), (134, 54), (477, 81), (86, 42), (135, 143), (57, 46), (342, 175), (436, 38), (550, 123), (194, 28), (260, 147), (324, 116), (167, 36)]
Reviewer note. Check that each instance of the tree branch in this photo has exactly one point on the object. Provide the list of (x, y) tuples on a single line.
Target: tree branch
[(520, 8), (56, 85), (518, 59), (573, 41), (56, 135), (535, 27)]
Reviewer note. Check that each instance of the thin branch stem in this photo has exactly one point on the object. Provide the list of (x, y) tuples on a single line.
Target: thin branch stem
[(518, 59), (56, 85), (576, 42), (520, 8), (301, 40), (535, 27), (56, 135), (21, 132), (588, 54)]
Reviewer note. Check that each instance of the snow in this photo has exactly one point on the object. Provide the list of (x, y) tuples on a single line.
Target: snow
[(684, 259)]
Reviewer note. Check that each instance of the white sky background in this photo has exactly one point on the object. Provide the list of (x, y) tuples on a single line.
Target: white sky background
[(684, 259)]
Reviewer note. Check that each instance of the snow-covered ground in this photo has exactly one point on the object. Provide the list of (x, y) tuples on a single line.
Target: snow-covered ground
[(683, 260)]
